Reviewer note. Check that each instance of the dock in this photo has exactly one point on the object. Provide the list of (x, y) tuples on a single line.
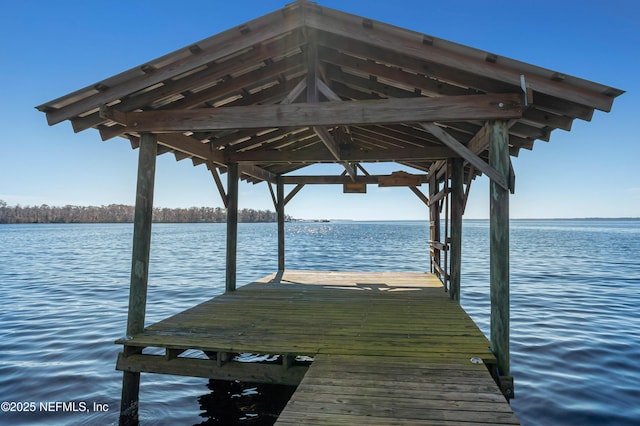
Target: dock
[(304, 85), (387, 348)]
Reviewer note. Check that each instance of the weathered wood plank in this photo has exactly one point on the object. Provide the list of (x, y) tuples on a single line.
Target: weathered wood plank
[(331, 113), (365, 409)]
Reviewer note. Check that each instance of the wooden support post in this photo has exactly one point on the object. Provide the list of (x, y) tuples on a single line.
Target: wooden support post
[(139, 268), (232, 225), (434, 222), (280, 213), (499, 247), (457, 201)]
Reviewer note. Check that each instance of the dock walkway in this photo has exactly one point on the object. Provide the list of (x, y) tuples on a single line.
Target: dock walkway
[(387, 348)]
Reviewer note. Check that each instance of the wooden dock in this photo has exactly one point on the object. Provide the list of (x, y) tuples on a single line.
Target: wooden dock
[(388, 348)]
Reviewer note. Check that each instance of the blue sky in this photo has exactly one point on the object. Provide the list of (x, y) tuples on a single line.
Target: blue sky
[(49, 49)]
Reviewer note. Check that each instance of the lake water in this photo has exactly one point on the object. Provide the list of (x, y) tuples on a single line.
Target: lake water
[(575, 307)]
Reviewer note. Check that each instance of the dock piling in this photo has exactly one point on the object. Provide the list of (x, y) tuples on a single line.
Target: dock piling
[(499, 248), (139, 268)]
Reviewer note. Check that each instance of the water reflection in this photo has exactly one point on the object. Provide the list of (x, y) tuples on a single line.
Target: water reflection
[(243, 403)]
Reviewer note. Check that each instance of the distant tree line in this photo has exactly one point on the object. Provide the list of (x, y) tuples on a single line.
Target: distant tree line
[(119, 213)]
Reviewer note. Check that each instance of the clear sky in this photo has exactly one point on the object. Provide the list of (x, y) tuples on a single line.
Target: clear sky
[(49, 49)]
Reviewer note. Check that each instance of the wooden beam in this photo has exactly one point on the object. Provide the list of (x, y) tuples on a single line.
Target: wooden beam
[(210, 73), (334, 149), (232, 226), (142, 233), (187, 145), (257, 172), (326, 91), (386, 38), (400, 178), (193, 367), (467, 190), (213, 49), (480, 141), (499, 247), (457, 200), (216, 178), (311, 57), (381, 111), (346, 153), (328, 141), (419, 194), (295, 92), (434, 198), (467, 154), (339, 180), (280, 216), (313, 81), (139, 266), (427, 86), (293, 193), (434, 223), (273, 196)]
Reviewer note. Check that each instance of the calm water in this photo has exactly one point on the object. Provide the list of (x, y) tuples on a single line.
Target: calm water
[(64, 290)]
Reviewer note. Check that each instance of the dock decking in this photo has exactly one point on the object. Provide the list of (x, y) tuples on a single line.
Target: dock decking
[(388, 348)]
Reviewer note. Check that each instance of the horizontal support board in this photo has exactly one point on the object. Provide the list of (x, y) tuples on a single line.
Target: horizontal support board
[(194, 367), (340, 180), (315, 155), (331, 113)]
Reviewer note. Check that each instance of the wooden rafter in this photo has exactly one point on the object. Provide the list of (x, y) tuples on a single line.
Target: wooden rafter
[(226, 43), (440, 52)]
